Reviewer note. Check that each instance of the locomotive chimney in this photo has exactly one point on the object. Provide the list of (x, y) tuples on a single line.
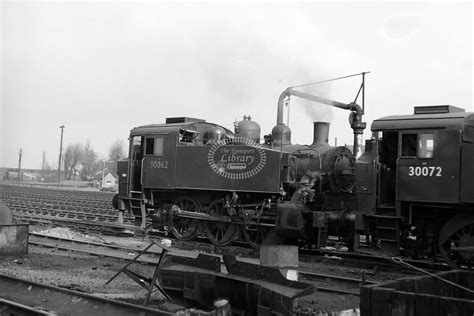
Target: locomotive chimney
[(320, 134)]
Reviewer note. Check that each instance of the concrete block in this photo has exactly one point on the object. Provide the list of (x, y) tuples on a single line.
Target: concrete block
[(14, 240), (279, 256)]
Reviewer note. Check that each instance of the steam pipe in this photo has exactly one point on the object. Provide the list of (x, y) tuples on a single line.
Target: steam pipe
[(355, 117)]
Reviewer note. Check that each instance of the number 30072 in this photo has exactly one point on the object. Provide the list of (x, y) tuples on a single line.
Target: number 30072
[(425, 171)]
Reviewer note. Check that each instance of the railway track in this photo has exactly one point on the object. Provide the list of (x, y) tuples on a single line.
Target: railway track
[(368, 260), (58, 195), (90, 203), (78, 224), (363, 261), (24, 297), (15, 308), (335, 283), (91, 212)]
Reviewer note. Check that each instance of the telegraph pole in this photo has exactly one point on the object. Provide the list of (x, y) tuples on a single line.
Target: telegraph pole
[(19, 165), (60, 154), (44, 159), (103, 170), (42, 167)]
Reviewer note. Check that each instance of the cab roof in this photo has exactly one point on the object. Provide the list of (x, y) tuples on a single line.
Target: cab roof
[(173, 126), (431, 117)]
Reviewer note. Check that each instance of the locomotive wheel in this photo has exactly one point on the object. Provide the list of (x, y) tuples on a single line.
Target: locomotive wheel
[(456, 234), (185, 228), (115, 202), (220, 234), (262, 235)]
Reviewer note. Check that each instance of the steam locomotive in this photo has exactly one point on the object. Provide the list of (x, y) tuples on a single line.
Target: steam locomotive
[(409, 191)]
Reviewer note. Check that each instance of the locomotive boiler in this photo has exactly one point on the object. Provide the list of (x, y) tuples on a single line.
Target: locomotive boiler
[(408, 191)]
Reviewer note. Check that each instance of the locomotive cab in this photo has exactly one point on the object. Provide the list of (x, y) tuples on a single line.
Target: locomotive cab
[(423, 177), (419, 156), (155, 150), (152, 159)]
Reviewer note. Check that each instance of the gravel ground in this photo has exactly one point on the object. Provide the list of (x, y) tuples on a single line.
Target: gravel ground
[(76, 271), (89, 274)]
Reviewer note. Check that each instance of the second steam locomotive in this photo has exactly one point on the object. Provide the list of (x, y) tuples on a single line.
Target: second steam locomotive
[(410, 190)]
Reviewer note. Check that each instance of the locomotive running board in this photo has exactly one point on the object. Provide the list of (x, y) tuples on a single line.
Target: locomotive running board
[(248, 287)]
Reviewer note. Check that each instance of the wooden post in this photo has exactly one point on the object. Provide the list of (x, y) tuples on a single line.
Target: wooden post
[(222, 307), (60, 154), (19, 165)]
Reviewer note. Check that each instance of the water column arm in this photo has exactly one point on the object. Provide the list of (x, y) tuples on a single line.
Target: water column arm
[(355, 117)]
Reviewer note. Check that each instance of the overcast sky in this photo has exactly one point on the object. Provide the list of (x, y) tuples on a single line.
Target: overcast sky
[(102, 68)]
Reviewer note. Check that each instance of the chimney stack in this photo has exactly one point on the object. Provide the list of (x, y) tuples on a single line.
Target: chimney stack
[(320, 134)]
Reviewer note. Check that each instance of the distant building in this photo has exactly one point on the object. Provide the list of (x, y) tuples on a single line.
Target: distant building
[(108, 180)]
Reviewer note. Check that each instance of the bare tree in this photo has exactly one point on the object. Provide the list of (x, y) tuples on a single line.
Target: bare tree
[(89, 162), (47, 166), (72, 158), (116, 153)]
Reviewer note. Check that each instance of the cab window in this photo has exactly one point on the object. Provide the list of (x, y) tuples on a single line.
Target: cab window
[(468, 134), (136, 148), (388, 150), (187, 136), (418, 145), (409, 145), (154, 146), (425, 146)]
